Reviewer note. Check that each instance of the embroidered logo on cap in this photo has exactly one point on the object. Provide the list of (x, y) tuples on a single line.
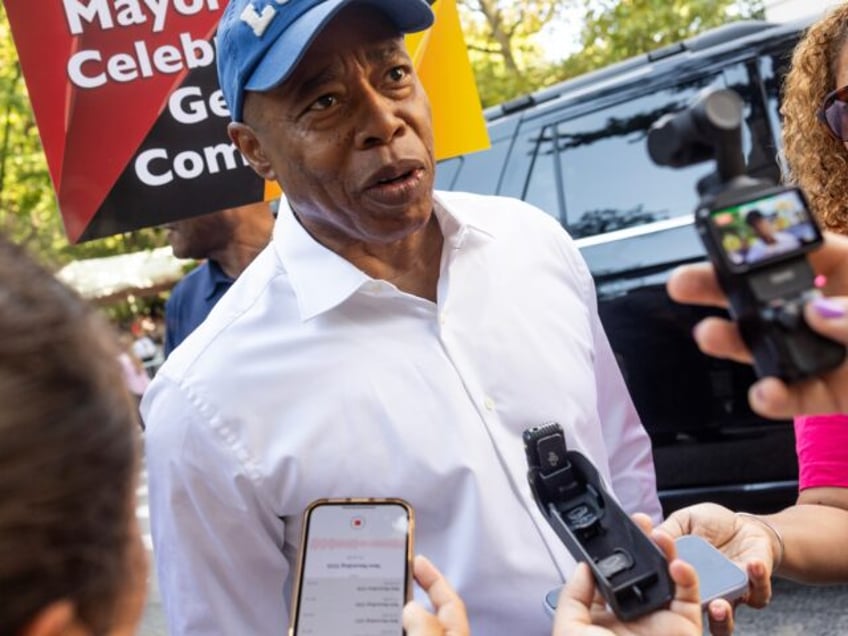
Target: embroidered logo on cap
[(259, 21)]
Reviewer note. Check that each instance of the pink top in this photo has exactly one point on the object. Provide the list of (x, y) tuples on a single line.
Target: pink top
[(821, 442)]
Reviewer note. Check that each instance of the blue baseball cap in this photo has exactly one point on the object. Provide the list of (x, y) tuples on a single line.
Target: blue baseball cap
[(261, 41)]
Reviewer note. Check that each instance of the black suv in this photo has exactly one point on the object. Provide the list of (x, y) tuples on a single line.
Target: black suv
[(578, 151)]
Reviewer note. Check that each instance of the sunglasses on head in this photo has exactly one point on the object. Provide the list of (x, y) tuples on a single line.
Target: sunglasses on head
[(834, 113)]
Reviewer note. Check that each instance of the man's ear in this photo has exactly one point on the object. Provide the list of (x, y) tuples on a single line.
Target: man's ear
[(248, 143), (57, 619)]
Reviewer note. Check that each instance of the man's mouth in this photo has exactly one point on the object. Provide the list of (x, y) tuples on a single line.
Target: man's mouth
[(400, 177), (397, 186), (396, 174)]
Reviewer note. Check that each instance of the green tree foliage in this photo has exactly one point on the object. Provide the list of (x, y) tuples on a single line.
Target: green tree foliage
[(500, 37), (615, 30), (508, 61), (28, 209)]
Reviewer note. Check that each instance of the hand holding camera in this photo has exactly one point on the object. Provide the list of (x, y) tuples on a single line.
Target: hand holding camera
[(757, 236), (772, 397)]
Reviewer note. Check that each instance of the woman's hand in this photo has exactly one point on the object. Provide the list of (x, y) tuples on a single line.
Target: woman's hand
[(770, 397), (582, 611), (745, 541)]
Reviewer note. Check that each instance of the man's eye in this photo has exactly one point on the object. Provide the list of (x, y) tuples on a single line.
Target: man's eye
[(398, 73), (324, 102)]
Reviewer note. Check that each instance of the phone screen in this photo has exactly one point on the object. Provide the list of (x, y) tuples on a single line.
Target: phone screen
[(764, 230), (354, 572)]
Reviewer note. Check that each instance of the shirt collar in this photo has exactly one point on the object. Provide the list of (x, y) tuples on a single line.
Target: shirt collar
[(322, 280)]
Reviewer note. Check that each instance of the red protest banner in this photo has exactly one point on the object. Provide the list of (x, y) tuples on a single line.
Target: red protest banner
[(133, 124)]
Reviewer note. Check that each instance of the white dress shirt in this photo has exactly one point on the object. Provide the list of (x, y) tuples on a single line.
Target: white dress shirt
[(310, 379)]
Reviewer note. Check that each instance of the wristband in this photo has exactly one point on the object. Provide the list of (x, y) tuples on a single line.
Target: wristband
[(775, 531)]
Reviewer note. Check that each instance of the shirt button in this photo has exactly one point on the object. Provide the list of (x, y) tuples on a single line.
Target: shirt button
[(489, 403), (443, 318)]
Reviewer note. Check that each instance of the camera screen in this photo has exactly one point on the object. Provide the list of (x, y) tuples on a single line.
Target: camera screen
[(764, 229)]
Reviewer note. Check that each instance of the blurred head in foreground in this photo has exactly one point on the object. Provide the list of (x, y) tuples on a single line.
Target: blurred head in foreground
[(71, 558)]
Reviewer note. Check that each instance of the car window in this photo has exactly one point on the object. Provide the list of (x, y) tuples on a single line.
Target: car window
[(544, 186), (479, 171), (514, 179), (773, 69), (592, 171), (609, 181), (758, 132), (446, 172)]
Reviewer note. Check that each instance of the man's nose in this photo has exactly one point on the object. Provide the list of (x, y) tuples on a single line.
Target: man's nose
[(379, 118)]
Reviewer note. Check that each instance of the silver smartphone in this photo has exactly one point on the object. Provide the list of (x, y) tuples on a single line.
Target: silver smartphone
[(718, 576), (354, 573)]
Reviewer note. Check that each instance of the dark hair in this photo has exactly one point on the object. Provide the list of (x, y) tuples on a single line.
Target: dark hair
[(753, 217), (68, 452)]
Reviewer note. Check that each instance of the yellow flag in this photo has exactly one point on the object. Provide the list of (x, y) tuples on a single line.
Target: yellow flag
[(441, 60)]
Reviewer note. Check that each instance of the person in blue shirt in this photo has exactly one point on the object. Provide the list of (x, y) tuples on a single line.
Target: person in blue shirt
[(228, 240)]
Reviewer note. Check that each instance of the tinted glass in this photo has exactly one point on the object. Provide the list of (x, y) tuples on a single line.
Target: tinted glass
[(544, 187), (773, 68), (609, 181), (446, 172), (515, 176), (758, 134), (481, 170)]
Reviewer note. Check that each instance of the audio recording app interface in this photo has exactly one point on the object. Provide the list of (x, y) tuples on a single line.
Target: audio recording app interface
[(355, 571)]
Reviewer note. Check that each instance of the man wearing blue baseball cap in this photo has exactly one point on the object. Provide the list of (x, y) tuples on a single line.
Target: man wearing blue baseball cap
[(390, 342)]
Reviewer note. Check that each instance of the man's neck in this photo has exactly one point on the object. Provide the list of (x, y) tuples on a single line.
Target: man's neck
[(411, 264)]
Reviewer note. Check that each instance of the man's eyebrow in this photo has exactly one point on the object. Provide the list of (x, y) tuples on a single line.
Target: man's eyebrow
[(387, 52), (313, 82)]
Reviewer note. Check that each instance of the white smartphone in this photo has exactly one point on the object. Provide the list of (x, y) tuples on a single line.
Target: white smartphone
[(718, 576), (354, 571)]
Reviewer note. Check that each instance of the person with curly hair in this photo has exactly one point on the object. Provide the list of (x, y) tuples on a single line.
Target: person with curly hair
[(816, 155), (804, 541), (815, 111)]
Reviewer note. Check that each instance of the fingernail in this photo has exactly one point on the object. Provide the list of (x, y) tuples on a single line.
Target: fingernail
[(827, 308), (719, 613), (695, 330), (757, 394)]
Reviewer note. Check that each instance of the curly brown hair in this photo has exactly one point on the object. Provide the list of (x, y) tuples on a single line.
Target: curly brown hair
[(816, 161)]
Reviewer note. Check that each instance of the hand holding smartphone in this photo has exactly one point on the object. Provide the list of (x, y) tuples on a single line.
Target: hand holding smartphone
[(354, 572), (718, 576)]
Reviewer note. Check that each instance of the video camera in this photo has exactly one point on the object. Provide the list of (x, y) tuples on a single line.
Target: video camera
[(756, 234)]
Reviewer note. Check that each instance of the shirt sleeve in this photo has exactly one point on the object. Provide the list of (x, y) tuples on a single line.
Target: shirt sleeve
[(631, 459), (218, 549), (821, 442), (628, 445)]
